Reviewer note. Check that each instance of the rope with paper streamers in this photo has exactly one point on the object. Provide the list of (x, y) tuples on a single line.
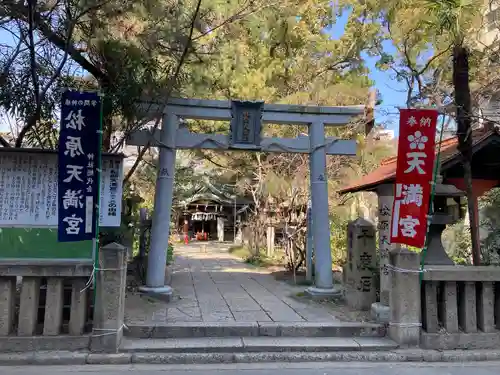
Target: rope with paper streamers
[(225, 146), (292, 149), (402, 270), (108, 331)]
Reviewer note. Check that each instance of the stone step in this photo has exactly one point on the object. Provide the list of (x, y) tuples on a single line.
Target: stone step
[(255, 329), (256, 344)]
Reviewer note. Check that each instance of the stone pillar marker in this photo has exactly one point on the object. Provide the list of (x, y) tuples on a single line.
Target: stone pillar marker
[(485, 308), (220, 229), (54, 306), (270, 240), (28, 306), (239, 231), (7, 311), (78, 313), (309, 244), (360, 285), (380, 311), (405, 323), (109, 310)]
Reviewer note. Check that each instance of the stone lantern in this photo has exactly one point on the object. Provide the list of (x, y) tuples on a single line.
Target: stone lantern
[(448, 209)]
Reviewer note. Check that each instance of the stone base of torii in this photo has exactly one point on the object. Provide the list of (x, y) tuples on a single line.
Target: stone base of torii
[(246, 119)]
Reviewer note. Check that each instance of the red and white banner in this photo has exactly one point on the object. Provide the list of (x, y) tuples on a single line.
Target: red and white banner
[(415, 164)]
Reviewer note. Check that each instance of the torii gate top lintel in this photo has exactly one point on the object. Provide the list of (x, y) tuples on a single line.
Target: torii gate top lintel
[(272, 113), (246, 118), (175, 103)]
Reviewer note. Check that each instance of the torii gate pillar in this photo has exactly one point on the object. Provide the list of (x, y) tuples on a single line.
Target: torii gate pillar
[(160, 226), (323, 280)]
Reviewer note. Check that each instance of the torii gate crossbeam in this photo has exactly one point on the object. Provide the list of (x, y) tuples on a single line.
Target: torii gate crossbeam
[(246, 119)]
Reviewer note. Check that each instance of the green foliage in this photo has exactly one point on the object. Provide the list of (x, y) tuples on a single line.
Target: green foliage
[(451, 17), (170, 253), (415, 46), (277, 56), (457, 239), (490, 225), (258, 260), (457, 243), (339, 219)]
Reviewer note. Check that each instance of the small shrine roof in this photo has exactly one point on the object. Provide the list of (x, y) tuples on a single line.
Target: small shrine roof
[(386, 173), (205, 190)]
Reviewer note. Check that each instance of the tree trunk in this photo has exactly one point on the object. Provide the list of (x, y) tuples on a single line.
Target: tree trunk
[(464, 134), (107, 132)]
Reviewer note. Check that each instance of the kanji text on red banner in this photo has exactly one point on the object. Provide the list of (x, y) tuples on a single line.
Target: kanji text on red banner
[(414, 175)]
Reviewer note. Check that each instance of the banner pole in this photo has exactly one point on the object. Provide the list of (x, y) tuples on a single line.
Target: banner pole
[(98, 203), (431, 205)]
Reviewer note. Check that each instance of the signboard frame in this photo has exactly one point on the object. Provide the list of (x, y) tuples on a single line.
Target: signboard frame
[(24, 236), (106, 158), (246, 124)]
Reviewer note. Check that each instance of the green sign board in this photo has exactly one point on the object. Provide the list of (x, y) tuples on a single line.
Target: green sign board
[(40, 243)]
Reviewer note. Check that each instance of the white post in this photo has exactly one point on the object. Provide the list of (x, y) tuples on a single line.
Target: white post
[(239, 232), (220, 229), (323, 279), (234, 221), (270, 239), (160, 230), (381, 310)]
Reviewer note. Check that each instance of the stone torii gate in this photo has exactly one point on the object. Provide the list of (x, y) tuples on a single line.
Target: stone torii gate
[(245, 134)]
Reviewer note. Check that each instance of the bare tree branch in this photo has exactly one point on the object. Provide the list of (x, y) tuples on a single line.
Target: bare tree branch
[(40, 94), (21, 12)]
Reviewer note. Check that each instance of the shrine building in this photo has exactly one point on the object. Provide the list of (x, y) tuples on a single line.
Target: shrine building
[(213, 212)]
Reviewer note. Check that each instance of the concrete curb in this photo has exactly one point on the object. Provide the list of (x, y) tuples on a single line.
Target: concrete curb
[(401, 355), (233, 345), (265, 329)]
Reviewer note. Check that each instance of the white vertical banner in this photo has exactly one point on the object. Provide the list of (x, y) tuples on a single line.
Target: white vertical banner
[(111, 191)]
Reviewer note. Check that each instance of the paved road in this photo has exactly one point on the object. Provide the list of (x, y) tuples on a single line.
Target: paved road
[(349, 368)]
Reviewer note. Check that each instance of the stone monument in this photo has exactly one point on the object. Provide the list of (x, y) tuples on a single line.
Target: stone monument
[(380, 311), (361, 265)]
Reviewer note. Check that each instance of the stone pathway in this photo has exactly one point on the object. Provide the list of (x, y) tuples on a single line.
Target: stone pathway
[(211, 285)]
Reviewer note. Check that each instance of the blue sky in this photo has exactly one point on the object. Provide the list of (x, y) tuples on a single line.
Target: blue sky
[(393, 95), (392, 91), (5, 38)]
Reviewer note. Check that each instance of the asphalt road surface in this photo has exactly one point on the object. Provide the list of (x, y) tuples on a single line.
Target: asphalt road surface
[(312, 368)]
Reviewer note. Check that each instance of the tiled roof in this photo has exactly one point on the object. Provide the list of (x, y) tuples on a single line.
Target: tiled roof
[(387, 170)]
